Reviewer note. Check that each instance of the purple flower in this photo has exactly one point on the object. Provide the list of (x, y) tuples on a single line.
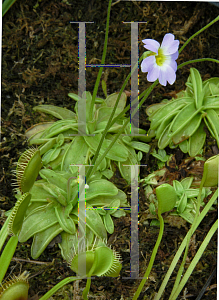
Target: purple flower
[(160, 62)]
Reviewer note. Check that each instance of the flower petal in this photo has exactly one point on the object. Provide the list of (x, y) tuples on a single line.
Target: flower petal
[(175, 55), (147, 63), (151, 45), (172, 63), (169, 45), (153, 73), (167, 74)]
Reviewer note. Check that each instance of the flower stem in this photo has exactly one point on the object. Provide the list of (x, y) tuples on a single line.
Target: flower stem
[(102, 62), (179, 274), (196, 258), (110, 122), (183, 244), (147, 273), (197, 60), (198, 32)]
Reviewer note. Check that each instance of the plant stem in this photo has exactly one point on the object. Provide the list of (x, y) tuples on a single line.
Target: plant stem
[(110, 122), (87, 288), (197, 60), (102, 62), (196, 259), (179, 274), (59, 286), (147, 273), (183, 244), (198, 32)]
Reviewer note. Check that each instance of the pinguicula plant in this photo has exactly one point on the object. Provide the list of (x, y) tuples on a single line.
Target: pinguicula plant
[(61, 146), (182, 121), (186, 202), (48, 206)]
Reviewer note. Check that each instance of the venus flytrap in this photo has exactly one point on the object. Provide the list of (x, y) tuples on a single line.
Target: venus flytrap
[(99, 260), (17, 287), (53, 208)]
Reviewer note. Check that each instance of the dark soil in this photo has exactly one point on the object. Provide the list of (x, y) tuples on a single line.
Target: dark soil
[(40, 66)]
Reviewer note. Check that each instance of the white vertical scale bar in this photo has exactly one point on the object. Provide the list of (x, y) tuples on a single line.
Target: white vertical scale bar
[(81, 222), (134, 119), (81, 79), (134, 268)]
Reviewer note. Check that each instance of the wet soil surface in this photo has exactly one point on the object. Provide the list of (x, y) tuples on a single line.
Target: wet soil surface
[(40, 66)]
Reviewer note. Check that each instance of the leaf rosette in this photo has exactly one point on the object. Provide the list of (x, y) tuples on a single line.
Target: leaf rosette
[(181, 121), (53, 209), (62, 145)]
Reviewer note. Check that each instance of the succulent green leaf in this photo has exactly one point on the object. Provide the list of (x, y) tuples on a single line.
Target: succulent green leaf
[(118, 152), (125, 167), (95, 223), (183, 118), (184, 146), (211, 102), (140, 146), (74, 96), (174, 105), (47, 146), (108, 222), (68, 245), (165, 122), (188, 215), (164, 139), (207, 83), (35, 131), (197, 140), (196, 81), (213, 123), (111, 100), (65, 221), (56, 111), (151, 109), (186, 182), (106, 200), (42, 239), (75, 154), (182, 204), (191, 193), (188, 130), (210, 174), (39, 220), (101, 187), (178, 187), (55, 178), (104, 87), (166, 196), (59, 127)]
